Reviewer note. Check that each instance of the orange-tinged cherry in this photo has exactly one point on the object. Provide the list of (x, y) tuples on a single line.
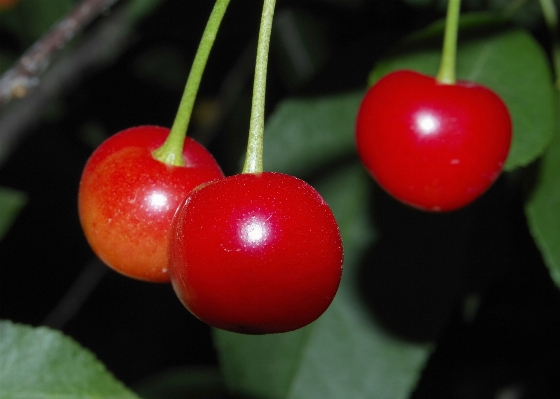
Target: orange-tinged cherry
[(127, 199)]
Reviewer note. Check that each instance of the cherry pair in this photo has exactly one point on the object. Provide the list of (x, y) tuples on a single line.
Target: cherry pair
[(252, 253)]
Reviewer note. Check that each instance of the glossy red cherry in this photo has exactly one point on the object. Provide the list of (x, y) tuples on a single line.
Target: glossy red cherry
[(255, 253), (434, 146), (127, 199)]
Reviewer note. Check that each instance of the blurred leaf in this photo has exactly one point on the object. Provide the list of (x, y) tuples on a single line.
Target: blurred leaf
[(6, 5), (306, 134), (300, 45), (508, 61), (192, 383), (32, 18), (43, 363), (6, 60), (543, 208), (93, 133), (527, 13), (345, 353), (11, 203), (162, 65), (138, 9)]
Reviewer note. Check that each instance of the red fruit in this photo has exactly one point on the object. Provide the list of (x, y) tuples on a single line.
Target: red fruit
[(127, 199), (434, 146), (255, 253)]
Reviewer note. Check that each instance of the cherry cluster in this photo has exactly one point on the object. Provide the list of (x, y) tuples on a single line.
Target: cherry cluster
[(253, 253), (261, 252)]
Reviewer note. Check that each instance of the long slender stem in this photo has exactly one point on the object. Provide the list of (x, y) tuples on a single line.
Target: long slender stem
[(551, 17), (171, 152), (446, 73), (253, 160)]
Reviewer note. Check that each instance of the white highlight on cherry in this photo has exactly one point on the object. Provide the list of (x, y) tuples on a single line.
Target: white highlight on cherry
[(427, 123), (254, 231), (157, 201)]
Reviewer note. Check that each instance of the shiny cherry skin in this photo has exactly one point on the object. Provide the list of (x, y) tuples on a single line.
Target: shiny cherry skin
[(433, 146), (255, 253), (127, 199)]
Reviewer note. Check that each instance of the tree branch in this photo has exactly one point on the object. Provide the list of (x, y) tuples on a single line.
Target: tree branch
[(97, 48), (24, 75)]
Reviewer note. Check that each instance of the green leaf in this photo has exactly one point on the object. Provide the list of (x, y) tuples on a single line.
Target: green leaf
[(40, 363), (543, 209), (11, 203), (300, 44), (6, 60), (509, 61), (524, 13), (346, 353), (139, 9), (187, 382), (305, 134), (32, 18)]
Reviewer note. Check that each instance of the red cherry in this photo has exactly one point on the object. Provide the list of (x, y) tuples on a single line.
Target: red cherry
[(127, 199), (255, 253), (434, 146)]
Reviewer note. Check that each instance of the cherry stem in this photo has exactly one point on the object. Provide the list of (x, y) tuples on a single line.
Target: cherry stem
[(446, 73), (551, 18), (254, 157), (171, 151)]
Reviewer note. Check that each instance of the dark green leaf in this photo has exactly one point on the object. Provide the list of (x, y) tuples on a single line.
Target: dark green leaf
[(299, 44), (6, 60), (306, 134), (40, 363), (139, 9), (11, 202), (192, 383), (543, 209), (345, 353), (524, 13), (163, 66), (509, 61), (32, 18)]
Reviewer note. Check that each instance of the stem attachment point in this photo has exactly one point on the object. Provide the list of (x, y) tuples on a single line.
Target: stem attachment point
[(171, 151), (446, 73)]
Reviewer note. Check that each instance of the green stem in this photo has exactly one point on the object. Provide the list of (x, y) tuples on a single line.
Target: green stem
[(551, 17), (171, 151), (254, 157), (446, 73)]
